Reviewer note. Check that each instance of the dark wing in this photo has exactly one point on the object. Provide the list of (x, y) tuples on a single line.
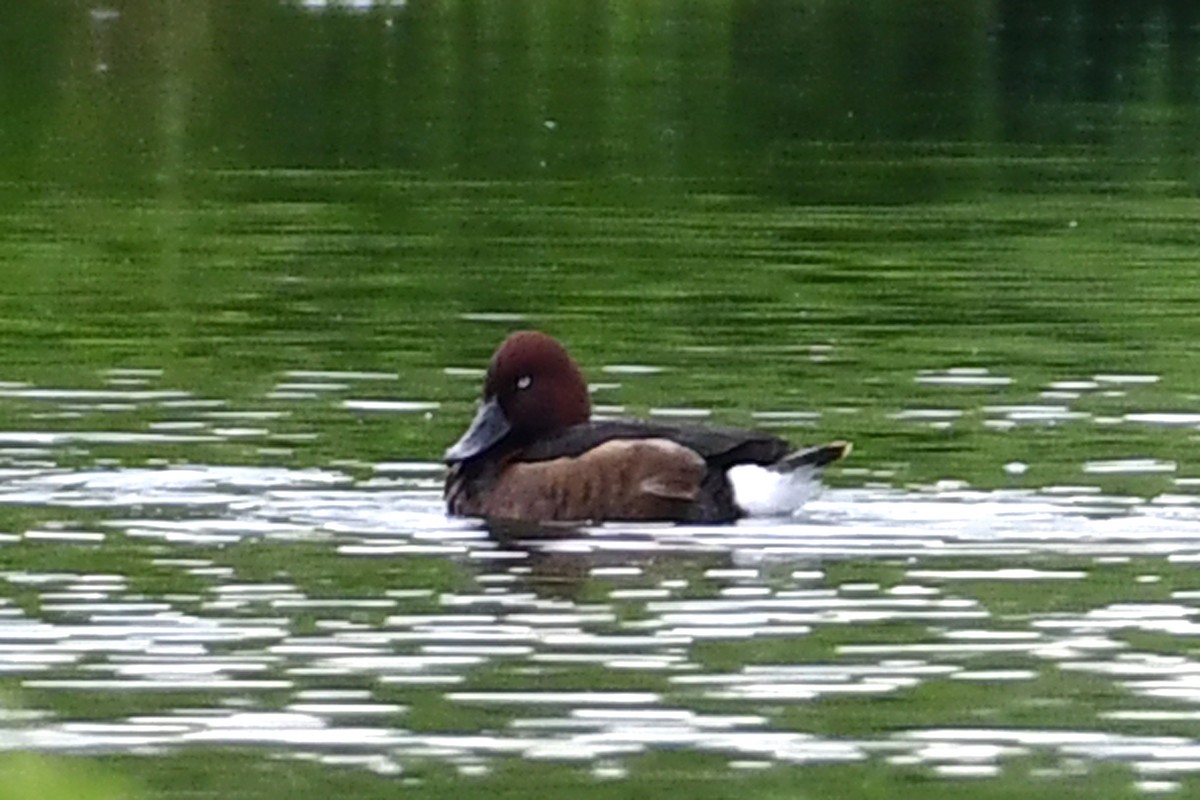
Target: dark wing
[(720, 447)]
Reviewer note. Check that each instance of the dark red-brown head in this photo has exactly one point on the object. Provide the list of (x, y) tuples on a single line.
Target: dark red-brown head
[(533, 388)]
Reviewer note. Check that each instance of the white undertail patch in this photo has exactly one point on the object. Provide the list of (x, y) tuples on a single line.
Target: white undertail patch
[(764, 492)]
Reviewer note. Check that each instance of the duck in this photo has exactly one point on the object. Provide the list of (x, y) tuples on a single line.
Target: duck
[(533, 453)]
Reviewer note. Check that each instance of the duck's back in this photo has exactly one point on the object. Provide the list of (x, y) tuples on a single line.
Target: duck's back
[(719, 447), (614, 470)]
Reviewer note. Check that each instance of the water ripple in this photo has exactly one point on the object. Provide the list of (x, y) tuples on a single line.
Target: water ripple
[(337, 613)]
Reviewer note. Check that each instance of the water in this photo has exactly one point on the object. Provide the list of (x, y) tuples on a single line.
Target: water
[(241, 325)]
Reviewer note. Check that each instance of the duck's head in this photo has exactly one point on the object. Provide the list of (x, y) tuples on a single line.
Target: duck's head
[(533, 388)]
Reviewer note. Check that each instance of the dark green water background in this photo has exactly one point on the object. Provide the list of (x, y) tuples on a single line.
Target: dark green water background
[(804, 213)]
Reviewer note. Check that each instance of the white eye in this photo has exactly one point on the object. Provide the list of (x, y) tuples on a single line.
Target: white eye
[(524, 382)]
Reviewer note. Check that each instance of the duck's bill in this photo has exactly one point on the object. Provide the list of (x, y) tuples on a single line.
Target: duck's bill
[(488, 428)]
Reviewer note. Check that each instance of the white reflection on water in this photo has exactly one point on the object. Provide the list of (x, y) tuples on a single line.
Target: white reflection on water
[(544, 637), (94, 634)]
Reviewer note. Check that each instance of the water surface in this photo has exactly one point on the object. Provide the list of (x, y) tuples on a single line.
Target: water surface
[(241, 325)]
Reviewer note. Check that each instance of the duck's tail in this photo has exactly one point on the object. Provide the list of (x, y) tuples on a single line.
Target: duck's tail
[(813, 457)]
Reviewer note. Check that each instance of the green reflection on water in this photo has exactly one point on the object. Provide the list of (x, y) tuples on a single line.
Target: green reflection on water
[(240, 776), (31, 777), (792, 207), (750, 307)]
